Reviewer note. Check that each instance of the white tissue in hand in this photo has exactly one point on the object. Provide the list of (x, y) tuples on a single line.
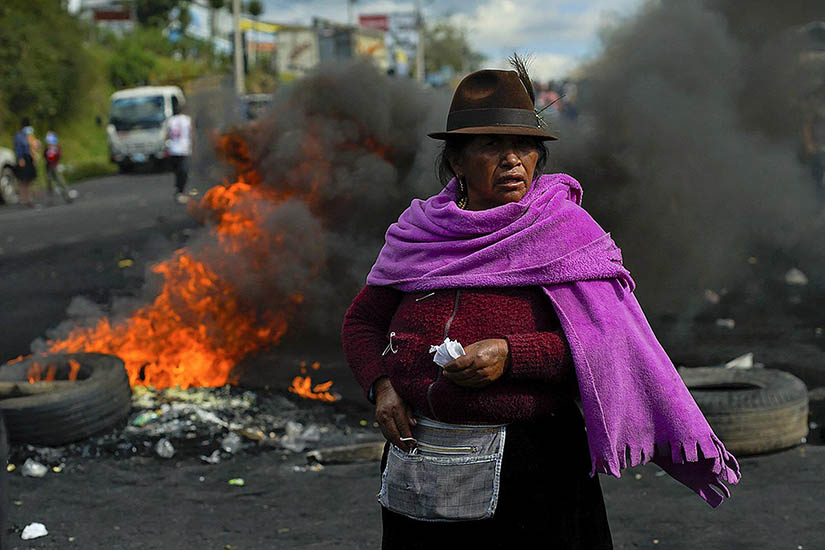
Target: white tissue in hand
[(446, 352)]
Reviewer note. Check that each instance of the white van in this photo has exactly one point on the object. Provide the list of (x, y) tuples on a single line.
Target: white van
[(137, 124)]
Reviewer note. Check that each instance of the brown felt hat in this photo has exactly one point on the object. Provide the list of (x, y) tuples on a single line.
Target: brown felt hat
[(493, 102)]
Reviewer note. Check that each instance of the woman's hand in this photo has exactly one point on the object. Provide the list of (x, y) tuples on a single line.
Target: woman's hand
[(394, 416), (484, 363)]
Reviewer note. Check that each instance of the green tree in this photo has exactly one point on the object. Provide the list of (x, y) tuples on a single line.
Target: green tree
[(44, 68), (155, 13), (445, 45), (255, 8)]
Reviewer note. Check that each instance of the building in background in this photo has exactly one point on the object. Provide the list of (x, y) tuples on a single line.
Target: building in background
[(115, 15), (401, 38)]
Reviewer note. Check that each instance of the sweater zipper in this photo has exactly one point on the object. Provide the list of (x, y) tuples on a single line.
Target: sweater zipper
[(446, 331)]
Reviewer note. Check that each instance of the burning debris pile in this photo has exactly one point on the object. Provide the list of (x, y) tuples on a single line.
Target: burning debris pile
[(285, 246), (209, 424)]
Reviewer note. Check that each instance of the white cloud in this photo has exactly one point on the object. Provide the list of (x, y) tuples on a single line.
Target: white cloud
[(543, 66), (558, 33)]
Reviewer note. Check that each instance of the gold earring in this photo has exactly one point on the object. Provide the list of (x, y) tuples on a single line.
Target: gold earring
[(462, 193)]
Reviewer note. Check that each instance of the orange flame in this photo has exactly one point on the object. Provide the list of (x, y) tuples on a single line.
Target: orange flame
[(35, 373), (74, 367), (200, 326), (302, 385)]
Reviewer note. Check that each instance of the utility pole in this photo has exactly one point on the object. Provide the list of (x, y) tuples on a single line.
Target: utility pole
[(419, 50), (236, 18)]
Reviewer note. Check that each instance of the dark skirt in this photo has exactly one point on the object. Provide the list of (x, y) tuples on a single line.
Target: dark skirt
[(547, 497), (27, 172)]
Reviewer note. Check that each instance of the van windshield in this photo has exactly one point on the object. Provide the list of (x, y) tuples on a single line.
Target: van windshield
[(137, 112)]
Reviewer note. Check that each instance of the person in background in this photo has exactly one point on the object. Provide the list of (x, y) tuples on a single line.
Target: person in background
[(25, 147), (54, 179), (179, 143)]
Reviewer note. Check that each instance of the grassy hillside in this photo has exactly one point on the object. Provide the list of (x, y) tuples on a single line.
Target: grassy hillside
[(79, 115)]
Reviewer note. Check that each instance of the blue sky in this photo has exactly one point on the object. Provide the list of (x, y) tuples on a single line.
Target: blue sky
[(558, 33)]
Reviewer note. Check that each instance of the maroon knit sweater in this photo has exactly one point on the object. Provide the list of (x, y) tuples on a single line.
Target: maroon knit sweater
[(540, 380)]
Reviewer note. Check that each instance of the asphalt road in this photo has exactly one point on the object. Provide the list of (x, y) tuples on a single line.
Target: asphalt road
[(52, 254)]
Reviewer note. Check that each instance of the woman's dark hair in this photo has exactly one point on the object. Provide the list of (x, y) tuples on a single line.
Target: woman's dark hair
[(453, 149), (25, 122)]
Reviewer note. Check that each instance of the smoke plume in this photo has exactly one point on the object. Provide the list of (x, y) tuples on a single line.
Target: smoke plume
[(688, 146)]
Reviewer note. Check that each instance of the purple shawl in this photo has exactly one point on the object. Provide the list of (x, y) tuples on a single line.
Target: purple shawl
[(636, 407)]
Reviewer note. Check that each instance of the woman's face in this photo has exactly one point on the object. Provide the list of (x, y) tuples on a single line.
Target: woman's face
[(497, 169)]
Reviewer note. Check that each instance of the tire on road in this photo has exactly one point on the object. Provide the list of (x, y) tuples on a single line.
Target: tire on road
[(752, 411), (59, 412)]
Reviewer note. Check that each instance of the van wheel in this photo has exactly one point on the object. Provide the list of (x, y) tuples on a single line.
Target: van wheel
[(62, 411), (126, 167), (751, 410)]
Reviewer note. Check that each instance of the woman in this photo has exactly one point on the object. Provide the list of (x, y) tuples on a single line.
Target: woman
[(25, 149), (489, 447)]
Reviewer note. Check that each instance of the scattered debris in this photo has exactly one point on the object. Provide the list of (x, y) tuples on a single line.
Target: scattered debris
[(164, 448), (143, 418), (231, 443), (32, 468), (308, 468), (711, 296), (126, 262), (726, 323), (744, 361), (237, 482), (34, 531), (207, 424), (371, 451), (214, 458), (796, 277), (297, 437)]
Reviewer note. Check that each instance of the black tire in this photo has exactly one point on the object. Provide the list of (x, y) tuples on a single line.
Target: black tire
[(752, 411), (100, 398), (125, 167)]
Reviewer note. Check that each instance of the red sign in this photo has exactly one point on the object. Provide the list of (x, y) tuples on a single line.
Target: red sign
[(377, 22), (111, 15)]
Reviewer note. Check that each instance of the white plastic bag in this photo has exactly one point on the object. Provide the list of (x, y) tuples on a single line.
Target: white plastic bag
[(446, 352)]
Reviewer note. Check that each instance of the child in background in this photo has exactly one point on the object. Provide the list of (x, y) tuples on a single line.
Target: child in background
[(54, 177)]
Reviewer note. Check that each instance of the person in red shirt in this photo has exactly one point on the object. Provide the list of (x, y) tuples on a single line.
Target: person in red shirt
[(517, 371), (54, 177)]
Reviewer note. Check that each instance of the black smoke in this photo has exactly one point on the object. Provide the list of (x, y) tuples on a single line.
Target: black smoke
[(358, 139), (688, 146)]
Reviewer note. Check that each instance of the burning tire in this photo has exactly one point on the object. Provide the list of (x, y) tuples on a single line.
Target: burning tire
[(752, 411), (85, 394)]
